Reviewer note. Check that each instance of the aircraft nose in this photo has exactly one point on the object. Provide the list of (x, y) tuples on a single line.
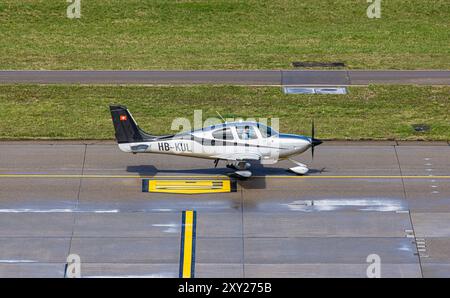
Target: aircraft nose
[(316, 142)]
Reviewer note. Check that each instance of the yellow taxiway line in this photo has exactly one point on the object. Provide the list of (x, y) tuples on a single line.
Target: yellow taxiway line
[(51, 176), (187, 254)]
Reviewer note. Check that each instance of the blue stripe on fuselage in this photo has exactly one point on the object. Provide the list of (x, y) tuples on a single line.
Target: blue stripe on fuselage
[(292, 136)]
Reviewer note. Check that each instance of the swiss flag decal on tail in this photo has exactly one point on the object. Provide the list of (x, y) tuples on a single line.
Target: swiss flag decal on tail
[(123, 117)]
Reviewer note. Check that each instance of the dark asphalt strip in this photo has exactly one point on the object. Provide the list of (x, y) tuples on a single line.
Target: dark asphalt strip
[(229, 77)]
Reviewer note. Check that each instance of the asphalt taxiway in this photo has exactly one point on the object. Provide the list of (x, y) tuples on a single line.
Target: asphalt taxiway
[(381, 198), (229, 77)]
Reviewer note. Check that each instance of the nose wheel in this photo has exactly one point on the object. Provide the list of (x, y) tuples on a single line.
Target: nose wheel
[(300, 169)]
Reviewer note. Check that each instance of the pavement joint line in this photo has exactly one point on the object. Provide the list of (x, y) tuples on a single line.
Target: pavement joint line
[(112, 237), (405, 196), (74, 222), (349, 80)]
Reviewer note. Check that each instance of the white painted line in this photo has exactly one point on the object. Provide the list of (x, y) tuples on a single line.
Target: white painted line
[(166, 225), (360, 204), (26, 210), (163, 275), (17, 261), (170, 228)]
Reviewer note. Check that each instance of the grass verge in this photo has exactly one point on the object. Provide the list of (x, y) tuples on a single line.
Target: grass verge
[(223, 34), (81, 112)]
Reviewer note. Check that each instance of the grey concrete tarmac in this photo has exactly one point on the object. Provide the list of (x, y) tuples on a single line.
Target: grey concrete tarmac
[(359, 199)]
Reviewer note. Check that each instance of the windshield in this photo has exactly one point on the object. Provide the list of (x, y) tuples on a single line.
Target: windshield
[(266, 131)]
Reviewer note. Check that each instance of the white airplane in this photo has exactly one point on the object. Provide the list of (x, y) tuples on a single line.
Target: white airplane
[(237, 143)]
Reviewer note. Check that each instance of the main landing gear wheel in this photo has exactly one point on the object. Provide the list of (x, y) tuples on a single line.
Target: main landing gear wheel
[(241, 169), (241, 174)]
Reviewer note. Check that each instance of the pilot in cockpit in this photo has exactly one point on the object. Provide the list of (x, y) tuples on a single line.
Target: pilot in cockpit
[(247, 134)]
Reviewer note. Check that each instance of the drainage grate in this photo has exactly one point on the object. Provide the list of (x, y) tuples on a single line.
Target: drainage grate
[(318, 64), (315, 90), (421, 127)]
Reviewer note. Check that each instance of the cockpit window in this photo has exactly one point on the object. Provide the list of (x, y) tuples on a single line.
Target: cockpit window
[(246, 132), (223, 134), (266, 131)]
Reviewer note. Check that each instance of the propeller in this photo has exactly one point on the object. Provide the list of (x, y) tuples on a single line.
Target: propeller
[(314, 142)]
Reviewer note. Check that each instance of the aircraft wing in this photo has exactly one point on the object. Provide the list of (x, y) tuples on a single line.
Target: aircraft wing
[(238, 157)]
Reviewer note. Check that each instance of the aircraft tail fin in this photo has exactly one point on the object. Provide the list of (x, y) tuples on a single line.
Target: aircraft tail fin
[(126, 129)]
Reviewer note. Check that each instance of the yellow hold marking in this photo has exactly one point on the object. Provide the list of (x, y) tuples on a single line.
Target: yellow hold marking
[(189, 186)]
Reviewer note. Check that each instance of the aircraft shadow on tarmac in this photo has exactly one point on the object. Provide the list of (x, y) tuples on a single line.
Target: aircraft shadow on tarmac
[(257, 169)]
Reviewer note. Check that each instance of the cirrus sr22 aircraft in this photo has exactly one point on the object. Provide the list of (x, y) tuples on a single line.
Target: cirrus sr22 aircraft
[(237, 143)]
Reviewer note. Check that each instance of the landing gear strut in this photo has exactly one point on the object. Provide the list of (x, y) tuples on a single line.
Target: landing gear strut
[(239, 165)]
